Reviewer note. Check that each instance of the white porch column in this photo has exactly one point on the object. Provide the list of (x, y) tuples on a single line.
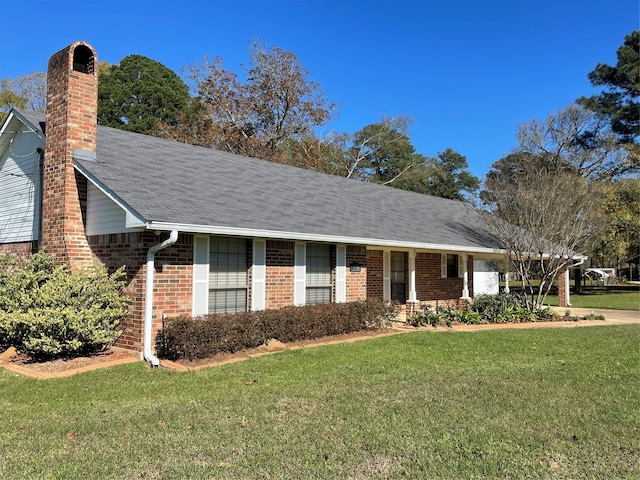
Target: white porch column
[(506, 276), (412, 276), (465, 277)]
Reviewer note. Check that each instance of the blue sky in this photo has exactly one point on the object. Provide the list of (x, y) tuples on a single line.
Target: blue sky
[(467, 72)]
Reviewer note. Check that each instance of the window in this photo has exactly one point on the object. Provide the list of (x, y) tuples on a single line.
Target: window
[(318, 274), (399, 277), (228, 275), (452, 266)]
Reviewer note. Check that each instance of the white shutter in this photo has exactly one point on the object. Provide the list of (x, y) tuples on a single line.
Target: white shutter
[(443, 265), (299, 297), (341, 273), (386, 275), (461, 265), (200, 275), (258, 287)]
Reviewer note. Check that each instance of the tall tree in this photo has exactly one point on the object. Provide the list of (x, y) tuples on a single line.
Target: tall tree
[(619, 206), (380, 152), (25, 91), (259, 117), (543, 219), (619, 102), (140, 94), (445, 176)]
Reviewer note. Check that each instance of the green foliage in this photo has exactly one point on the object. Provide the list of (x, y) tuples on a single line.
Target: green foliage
[(201, 337), (501, 308), (139, 94), (445, 176), (619, 101), (47, 311), (620, 204), (445, 316)]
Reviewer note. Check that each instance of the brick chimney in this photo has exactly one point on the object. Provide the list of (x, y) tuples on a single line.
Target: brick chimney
[(72, 113)]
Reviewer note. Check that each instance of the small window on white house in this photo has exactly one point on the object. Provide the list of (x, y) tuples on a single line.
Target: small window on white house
[(318, 274), (228, 276)]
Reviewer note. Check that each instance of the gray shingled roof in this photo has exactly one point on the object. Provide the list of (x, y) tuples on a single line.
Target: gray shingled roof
[(175, 183)]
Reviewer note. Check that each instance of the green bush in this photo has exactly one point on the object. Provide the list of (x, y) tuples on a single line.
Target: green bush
[(444, 316), (46, 311), (201, 337), (500, 308)]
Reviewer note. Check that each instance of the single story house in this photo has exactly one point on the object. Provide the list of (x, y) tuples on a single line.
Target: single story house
[(203, 231)]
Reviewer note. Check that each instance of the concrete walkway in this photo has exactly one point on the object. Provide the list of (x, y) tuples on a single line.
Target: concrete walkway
[(617, 317)]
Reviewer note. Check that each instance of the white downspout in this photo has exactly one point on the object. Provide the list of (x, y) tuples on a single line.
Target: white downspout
[(148, 298)]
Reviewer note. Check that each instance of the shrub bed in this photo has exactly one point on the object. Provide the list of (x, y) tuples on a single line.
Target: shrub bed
[(501, 308), (201, 337)]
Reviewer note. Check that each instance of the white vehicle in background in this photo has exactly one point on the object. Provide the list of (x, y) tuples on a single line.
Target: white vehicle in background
[(601, 275)]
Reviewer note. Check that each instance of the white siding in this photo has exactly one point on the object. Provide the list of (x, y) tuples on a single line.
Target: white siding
[(20, 191), (485, 277), (104, 216)]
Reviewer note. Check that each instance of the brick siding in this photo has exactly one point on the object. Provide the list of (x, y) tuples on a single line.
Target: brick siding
[(356, 281), (279, 285), (173, 279), (21, 250)]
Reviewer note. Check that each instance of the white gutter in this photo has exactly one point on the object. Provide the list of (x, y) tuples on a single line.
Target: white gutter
[(148, 303), (316, 237)]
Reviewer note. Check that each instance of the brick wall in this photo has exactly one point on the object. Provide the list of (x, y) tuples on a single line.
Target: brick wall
[(173, 279), (356, 281), (279, 285), (71, 123), (432, 288), (375, 274), (21, 250)]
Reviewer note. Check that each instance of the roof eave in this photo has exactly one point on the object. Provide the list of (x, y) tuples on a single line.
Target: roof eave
[(314, 237)]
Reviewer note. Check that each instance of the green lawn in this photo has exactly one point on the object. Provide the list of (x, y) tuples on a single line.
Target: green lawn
[(617, 298), (536, 403)]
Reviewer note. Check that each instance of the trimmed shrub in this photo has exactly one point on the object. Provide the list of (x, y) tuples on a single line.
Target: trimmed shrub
[(48, 312), (201, 337)]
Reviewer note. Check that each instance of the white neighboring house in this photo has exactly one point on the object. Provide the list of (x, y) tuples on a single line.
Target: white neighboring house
[(486, 277)]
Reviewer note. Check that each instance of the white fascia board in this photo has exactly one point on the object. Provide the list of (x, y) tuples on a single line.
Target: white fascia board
[(133, 218), (314, 237)]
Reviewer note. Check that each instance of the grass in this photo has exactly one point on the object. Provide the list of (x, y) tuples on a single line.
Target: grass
[(614, 297), (538, 403)]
